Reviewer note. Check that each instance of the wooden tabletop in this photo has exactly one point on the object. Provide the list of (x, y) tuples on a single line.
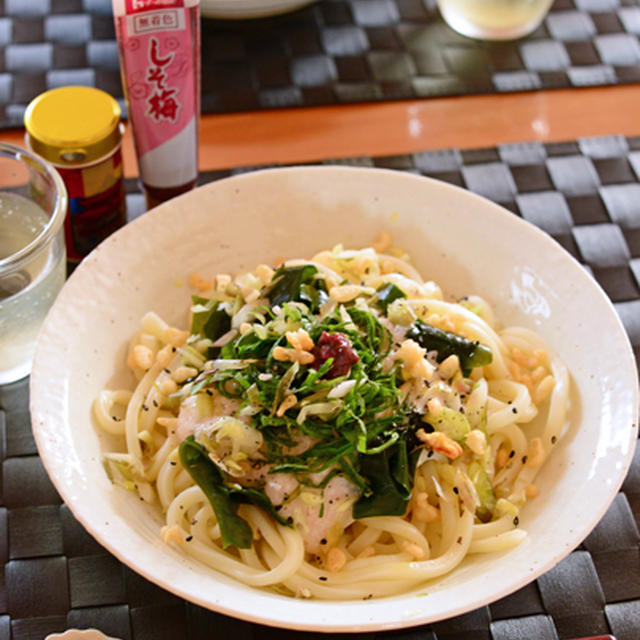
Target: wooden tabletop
[(288, 136)]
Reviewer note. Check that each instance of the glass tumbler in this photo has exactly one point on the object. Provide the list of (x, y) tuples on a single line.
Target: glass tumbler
[(33, 205), (494, 19)]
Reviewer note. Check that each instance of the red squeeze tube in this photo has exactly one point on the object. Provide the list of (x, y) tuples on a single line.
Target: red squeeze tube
[(159, 47)]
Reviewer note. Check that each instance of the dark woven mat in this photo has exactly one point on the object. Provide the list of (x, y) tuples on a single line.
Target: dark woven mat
[(586, 194), (330, 52)]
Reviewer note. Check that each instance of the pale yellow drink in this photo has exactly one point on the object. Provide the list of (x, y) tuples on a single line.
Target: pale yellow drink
[(494, 19), (27, 293)]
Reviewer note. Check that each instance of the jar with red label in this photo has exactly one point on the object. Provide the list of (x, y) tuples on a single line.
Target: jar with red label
[(78, 130)]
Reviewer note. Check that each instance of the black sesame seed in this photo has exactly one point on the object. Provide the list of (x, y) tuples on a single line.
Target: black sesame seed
[(456, 490), (514, 410), (516, 521), (166, 370), (173, 463), (323, 578), (155, 402), (323, 541), (524, 459), (145, 408), (189, 538), (554, 439), (512, 453)]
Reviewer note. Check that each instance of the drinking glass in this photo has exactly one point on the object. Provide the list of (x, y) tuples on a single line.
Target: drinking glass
[(494, 19), (33, 205)]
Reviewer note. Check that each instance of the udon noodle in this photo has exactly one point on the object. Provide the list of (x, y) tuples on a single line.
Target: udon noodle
[(334, 428)]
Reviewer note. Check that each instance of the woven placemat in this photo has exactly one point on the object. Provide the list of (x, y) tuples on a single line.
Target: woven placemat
[(586, 194), (330, 52)]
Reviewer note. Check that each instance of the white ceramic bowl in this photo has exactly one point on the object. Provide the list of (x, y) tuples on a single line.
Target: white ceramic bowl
[(79, 634), (244, 9), (462, 241)]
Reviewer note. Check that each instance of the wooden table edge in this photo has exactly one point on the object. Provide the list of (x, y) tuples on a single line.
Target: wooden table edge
[(310, 134)]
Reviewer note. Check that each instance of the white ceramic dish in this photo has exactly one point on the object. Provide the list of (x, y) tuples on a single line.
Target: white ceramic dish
[(244, 9), (462, 241), (80, 634)]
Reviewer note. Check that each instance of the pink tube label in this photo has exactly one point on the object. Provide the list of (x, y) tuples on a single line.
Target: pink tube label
[(135, 6), (160, 56)]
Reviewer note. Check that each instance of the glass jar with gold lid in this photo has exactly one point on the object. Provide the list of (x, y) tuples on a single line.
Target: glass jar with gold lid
[(79, 131)]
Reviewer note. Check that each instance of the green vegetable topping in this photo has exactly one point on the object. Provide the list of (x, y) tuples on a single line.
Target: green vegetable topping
[(482, 484), (337, 406), (224, 500), (471, 354), (387, 293), (452, 423), (389, 477), (297, 284)]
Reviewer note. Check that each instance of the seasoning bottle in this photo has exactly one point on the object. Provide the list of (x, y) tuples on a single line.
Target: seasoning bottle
[(78, 130), (159, 47)]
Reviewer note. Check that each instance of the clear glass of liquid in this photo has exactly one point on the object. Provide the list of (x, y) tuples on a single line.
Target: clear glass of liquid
[(494, 19), (33, 205)]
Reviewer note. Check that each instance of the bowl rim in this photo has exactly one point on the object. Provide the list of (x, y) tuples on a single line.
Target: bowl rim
[(249, 9), (254, 614), (46, 171)]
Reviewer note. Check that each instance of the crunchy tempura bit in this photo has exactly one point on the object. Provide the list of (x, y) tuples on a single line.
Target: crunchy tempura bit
[(383, 242), (172, 533), (440, 442), (335, 560)]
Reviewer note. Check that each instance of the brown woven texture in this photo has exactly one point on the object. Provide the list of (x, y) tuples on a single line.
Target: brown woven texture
[(586, 194), (330, 52)]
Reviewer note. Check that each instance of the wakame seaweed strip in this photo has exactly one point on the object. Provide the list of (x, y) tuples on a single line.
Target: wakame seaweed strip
[(218, 323), (233, 529), (390, 482), (403, 465), (287, 283), (223, 499), (314, 295), (471, 354), (257, 499), (212, 323), (387, 293)]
